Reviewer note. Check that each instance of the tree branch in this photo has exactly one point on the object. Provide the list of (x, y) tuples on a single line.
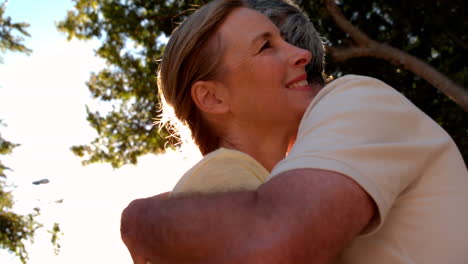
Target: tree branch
[(366, 47), (344, 53), (356, 34)]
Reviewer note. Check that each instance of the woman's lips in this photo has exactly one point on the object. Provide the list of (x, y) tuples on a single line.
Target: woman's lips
[(299, 84)]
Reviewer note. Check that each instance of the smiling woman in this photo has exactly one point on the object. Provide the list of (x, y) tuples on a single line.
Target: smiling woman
[(249, 91), (261, 83)]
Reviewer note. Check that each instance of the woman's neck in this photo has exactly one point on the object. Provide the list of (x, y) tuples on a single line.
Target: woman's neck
[(267, 148)]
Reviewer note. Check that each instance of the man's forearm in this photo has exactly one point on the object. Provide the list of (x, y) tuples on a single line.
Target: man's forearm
[(297, 218), (197, 228)]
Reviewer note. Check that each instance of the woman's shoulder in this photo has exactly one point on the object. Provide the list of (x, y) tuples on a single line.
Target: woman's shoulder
[(225, 160), (227, 154), (222, 170)]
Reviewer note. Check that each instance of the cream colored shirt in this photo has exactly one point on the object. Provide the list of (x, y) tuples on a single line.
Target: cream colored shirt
[(409, 165), (221, 171)]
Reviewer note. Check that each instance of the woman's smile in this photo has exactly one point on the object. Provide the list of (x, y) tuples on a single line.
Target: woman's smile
[(299, 84)]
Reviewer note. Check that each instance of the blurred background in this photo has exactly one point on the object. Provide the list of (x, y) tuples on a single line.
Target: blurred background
[(78, 98)]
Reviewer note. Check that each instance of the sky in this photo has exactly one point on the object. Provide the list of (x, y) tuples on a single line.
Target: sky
[(42, 101)]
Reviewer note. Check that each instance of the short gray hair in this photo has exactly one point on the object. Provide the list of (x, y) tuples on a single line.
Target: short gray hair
[(297, 29)]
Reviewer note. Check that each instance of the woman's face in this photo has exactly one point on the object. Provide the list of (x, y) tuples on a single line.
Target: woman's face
[(264, 75)]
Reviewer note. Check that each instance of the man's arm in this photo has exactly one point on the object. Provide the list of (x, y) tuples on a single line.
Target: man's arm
[(300, 216)]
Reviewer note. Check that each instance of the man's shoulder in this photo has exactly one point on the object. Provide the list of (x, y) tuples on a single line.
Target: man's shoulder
[(356, 98), (356, 94), (356, 80), (355, 85)]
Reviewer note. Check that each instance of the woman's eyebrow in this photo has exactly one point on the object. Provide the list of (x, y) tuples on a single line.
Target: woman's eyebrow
[(264, 35)]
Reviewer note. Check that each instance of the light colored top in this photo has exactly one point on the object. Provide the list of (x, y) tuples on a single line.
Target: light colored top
[(220, 171), (363, 128)]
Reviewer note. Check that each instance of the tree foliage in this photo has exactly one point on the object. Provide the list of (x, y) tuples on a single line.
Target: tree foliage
[(15, 229), (9, 38), (130, 32)]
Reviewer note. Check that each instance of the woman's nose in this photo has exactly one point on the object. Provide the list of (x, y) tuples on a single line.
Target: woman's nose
[(300, 57)]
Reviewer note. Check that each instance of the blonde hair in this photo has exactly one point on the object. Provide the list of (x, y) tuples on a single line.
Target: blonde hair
[(193, 53)]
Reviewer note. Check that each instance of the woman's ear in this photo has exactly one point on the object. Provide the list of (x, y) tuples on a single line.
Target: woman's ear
[(210, 97)]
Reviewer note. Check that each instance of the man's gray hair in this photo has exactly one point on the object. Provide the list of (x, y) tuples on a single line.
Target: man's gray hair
[(297, 29)]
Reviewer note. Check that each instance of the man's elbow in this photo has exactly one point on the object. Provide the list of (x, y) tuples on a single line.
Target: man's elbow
[(135, 222), (128, 222)]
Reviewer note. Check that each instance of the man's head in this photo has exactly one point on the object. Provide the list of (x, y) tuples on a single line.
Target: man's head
[(297, 29)]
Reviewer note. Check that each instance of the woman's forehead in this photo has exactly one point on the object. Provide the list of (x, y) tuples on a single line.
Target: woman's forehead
[(244, 26), (241, 35)]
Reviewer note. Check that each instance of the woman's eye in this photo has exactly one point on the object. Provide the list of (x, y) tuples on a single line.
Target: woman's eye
[(265, 46)]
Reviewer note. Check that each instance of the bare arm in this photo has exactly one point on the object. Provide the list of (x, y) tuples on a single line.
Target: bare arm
[(301, 216)]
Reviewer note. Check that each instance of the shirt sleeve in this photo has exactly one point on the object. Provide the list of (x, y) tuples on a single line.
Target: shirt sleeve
[(361, 127)]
